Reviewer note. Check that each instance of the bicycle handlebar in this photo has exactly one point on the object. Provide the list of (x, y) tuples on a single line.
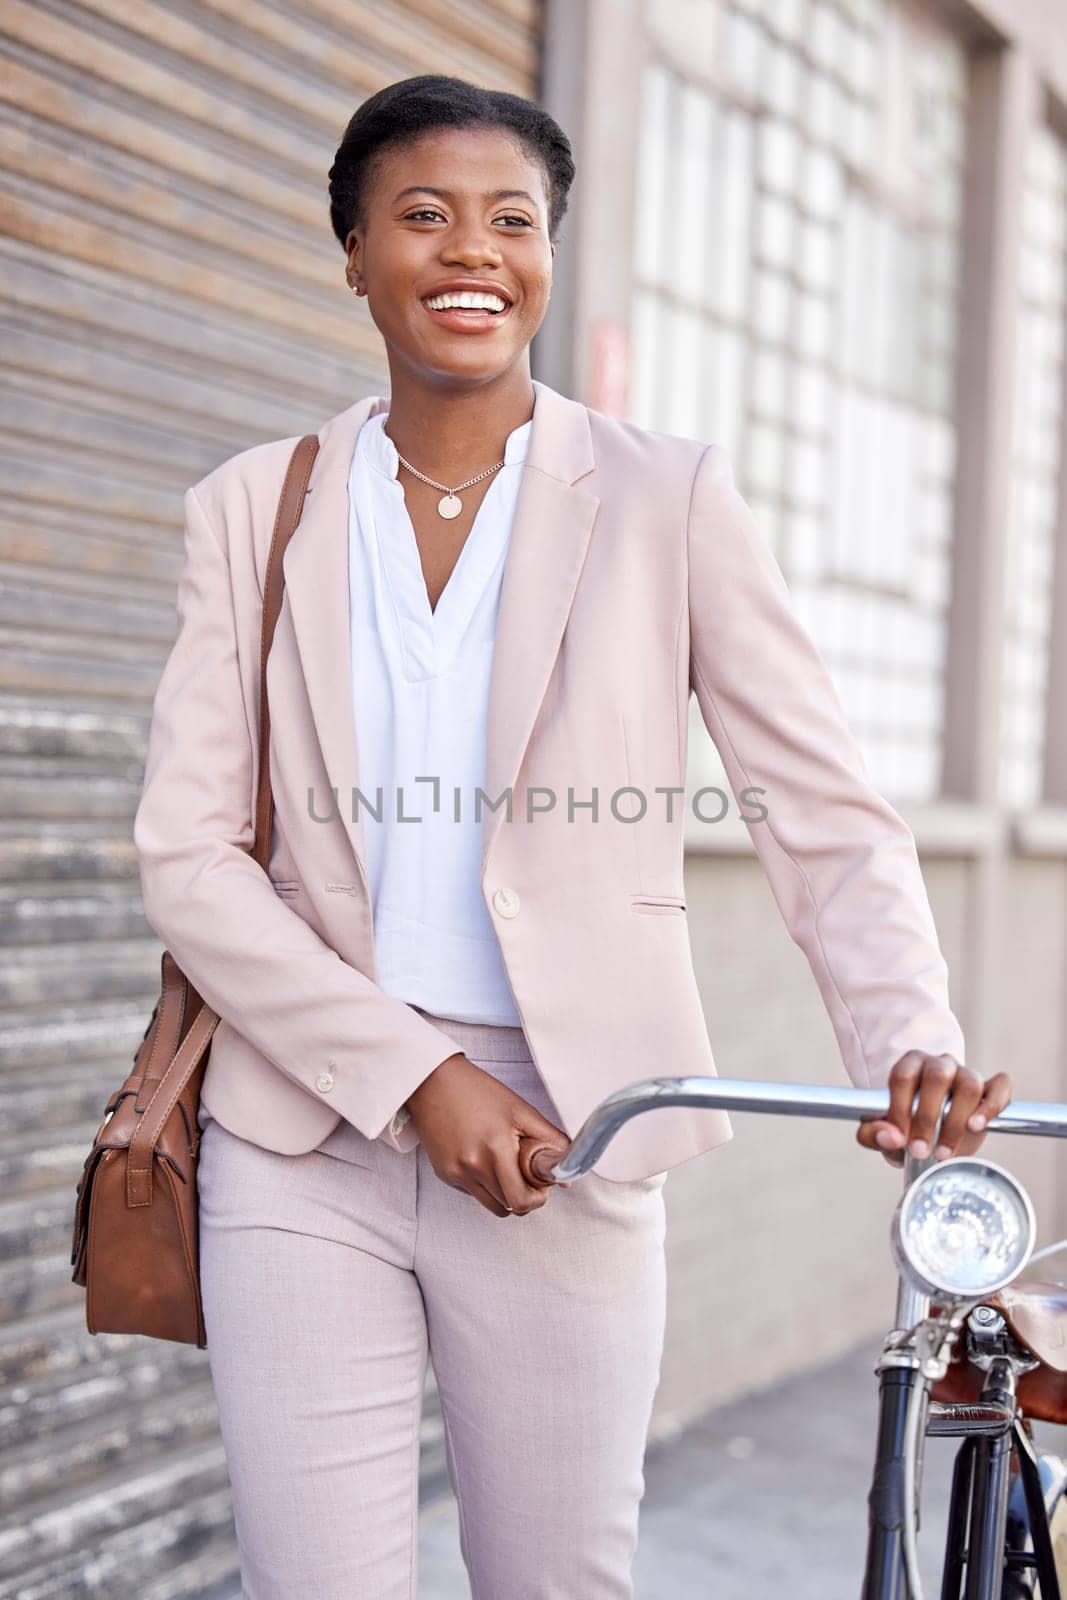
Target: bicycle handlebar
[(1039, 1117)]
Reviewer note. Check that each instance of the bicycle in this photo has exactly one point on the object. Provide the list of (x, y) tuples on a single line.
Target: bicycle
[(975, 1352)]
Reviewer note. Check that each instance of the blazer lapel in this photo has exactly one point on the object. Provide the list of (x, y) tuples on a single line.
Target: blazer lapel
[(549, 538), (316, 586)]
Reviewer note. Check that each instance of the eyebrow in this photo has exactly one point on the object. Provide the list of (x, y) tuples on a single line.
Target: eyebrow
[(446, 194)]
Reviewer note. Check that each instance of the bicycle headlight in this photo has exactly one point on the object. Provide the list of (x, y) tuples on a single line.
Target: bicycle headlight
[(964, 1228)]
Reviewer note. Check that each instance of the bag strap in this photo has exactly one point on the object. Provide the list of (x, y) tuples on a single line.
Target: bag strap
[(290, 506), (172, 1084)]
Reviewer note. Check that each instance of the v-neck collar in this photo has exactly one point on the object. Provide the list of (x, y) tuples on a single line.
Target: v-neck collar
[(431, 637)]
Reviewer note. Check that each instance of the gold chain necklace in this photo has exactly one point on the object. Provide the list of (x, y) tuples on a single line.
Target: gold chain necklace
[(449, 505)]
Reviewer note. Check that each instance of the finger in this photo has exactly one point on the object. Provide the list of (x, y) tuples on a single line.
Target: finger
[(903, 1084), (520, 1195), (536, 1160), (480, 1174), (479, 1192), (541, 1162), (967, 1089), (996, 1097), (889, 1133), (936, 1080), (871, 1133), (532, 1125)]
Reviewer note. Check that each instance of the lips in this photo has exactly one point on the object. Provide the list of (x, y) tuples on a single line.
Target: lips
[(461, 320)]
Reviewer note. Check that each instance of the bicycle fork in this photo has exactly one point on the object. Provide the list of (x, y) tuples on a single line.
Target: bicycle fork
[(884, 1577)]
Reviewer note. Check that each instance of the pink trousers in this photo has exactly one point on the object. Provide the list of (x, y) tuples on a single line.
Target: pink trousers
[(330, 1277)]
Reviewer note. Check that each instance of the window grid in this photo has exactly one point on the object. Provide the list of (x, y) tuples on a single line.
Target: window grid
[(1036, 415), (796, 257)]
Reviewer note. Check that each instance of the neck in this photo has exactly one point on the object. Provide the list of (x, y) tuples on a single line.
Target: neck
[(450, 432)]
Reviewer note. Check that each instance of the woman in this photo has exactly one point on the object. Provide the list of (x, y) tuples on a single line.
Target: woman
[(499, 590)]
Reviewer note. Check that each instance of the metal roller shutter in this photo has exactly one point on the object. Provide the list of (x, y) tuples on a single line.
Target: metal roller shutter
[(171, 294)]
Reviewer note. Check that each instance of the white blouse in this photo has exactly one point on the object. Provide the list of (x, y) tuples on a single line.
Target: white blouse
[(420, 681)]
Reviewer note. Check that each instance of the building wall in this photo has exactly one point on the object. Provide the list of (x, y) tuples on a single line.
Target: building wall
[(171, 293), (832, 238)]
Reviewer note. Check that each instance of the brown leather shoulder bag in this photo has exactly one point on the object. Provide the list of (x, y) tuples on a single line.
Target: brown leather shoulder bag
[(135, 1242)]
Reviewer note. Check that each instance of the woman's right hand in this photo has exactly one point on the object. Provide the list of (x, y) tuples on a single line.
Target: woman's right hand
[(472, 1125)]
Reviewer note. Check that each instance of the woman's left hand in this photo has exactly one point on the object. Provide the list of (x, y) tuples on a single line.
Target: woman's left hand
[(975, 1102)]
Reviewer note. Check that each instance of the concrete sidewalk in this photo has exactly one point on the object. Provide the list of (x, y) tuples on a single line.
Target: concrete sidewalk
[(764, 1499)]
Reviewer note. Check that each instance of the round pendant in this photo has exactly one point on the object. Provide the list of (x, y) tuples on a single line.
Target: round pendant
[(450, 505)]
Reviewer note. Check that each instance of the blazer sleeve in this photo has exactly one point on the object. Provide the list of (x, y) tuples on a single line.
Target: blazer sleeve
[(251, 957), (841, 862)]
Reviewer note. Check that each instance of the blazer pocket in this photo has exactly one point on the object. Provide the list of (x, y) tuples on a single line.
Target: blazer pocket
[(658, 904), (285, 886)]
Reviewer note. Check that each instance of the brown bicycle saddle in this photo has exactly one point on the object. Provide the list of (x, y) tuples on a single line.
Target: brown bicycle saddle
[(1035, 1311)]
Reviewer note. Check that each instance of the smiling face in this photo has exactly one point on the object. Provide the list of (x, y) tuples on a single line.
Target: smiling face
[(456, 205)]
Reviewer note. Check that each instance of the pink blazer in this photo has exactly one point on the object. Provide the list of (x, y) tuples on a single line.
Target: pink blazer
[(635, 576)]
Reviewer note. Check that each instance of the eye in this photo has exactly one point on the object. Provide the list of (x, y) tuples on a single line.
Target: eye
[(432, 211)]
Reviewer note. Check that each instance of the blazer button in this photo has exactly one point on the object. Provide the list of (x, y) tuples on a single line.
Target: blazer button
[(506, 902), (324, 1081)]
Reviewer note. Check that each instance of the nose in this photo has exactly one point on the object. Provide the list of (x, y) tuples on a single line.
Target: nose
[(471, 245)]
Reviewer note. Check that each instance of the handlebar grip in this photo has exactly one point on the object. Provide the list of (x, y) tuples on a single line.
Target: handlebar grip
[(536, 1161)]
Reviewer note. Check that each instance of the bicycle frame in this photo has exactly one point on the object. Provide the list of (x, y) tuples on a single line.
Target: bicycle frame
[(987, 1522), (978, 1528)]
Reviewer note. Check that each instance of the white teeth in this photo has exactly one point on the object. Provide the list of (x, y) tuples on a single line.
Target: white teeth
[(470, 302)]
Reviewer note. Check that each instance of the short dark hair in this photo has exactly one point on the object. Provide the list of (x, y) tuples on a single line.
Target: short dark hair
[(405, 110)]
